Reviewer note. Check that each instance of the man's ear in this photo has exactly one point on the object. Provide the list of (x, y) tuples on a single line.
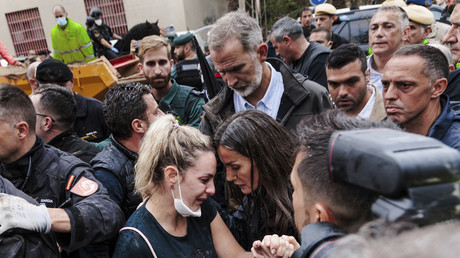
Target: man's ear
[(47, 123), (140, 67), (23, 129), (33, 84), (405, 34), (323, 214), (427, 31), (139, 126), (367, 76), (69, 84), (187, 48), (287, 39), (262, 52), (438, 87), (170, 173)]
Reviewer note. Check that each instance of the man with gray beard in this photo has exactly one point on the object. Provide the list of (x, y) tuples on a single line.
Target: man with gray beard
[(255, 82)]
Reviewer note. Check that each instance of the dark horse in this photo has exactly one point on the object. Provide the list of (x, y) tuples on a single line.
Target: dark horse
[(137, 32)]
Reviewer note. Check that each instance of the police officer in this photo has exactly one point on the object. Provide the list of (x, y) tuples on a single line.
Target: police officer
[(101, 33), (420, 20), (324, 18), (89, 25), (156, 64), (78, 209), (89, 124), (187, 70)]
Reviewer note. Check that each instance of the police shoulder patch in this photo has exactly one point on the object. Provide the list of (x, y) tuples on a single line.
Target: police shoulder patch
[(96, 34), (84, 187), (196, 92)]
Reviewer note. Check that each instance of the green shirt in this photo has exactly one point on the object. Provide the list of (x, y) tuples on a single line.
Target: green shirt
[(186, 103)]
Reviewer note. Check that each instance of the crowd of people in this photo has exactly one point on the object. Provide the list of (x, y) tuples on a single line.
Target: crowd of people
[(159, 169)]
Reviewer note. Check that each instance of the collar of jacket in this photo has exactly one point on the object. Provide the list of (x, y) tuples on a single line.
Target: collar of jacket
[(82, 107), (443, 122), (315, 235), (58, 140), (129, 153), (17, 170), (294, 90)]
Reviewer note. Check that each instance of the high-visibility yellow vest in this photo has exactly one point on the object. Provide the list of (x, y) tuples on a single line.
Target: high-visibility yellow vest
[(73, 44)]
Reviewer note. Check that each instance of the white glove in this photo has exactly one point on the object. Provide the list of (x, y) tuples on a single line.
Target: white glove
[(16, 212)]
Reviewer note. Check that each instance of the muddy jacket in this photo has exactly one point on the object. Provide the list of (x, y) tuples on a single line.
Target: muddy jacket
[(69, 141), (59, 180), (301, 97), (90, 123)]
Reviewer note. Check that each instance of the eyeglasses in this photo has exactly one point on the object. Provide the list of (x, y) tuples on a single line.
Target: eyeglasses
[(54, 121)]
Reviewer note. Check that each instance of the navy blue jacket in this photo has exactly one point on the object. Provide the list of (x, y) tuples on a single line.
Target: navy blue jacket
[(446, 128), (114, 168)]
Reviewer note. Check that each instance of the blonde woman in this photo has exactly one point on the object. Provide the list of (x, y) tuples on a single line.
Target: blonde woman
[(174, 174)]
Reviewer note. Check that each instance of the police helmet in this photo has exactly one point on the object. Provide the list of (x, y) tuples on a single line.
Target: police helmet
[(95, 12), (89, 21)]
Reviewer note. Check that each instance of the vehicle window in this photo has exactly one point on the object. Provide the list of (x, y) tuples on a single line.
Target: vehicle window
[(359, 31), (345, 31)]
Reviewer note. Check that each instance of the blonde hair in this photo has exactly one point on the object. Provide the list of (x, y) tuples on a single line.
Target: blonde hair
[(153, 42), (167, 143)]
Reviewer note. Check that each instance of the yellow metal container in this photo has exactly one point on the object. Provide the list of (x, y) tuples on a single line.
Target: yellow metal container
[(91, 80), (15, 75)]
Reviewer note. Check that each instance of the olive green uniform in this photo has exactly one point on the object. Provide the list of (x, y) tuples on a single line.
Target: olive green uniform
[(186, 103)]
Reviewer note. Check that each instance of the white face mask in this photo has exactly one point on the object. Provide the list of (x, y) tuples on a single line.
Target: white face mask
[(61, 21), (98, 22), (180, 206)]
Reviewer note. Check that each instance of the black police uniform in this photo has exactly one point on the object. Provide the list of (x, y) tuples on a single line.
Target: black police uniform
[(60, 180), (337, 40), (90, 123), (102, 32), (69, 142)]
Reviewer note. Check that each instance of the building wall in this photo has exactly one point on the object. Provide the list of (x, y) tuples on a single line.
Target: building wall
[(183, 14), (211, 11), (166, 12)]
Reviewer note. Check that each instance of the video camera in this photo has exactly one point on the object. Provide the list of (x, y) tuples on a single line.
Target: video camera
[(416, 176)]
